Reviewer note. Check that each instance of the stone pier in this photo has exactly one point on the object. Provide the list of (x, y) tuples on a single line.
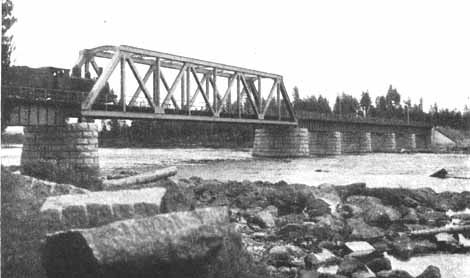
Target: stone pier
[(325, 143), (406, 141), (66, 154), (383, 142), (423, 141), (356, 142), (281, 142)]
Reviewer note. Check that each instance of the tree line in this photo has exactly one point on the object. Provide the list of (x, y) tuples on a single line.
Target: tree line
[(388, 106)]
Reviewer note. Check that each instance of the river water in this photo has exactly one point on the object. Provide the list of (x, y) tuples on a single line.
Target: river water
[(377, 170)]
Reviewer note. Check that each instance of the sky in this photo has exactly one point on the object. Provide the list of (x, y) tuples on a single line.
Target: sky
[(422, 48)]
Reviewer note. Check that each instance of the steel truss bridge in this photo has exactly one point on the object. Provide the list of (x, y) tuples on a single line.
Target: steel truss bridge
[(176, 99)]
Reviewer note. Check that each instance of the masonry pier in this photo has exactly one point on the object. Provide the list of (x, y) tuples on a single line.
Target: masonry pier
[(356, 142), (383, 142), (66, 153), (281, 142), (325, 142), (406, 141)]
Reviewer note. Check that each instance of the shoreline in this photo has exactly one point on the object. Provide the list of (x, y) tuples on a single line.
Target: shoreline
[(295, 229)]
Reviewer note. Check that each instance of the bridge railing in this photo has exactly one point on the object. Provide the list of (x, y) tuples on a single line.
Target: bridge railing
[(310, 115), (30, 94)]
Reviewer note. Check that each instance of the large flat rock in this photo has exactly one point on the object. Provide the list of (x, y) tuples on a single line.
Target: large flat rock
[(99, 208), (165, 245)]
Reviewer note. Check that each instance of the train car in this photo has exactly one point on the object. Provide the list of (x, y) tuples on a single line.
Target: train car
[(53, 78)]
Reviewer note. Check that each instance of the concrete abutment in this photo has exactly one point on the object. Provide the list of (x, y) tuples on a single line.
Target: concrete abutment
[(66, 154)]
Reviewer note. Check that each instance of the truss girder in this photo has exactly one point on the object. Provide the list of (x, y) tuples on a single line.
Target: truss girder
[(205, 75)]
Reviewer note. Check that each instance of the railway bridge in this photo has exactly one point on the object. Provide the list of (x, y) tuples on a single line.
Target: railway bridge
[(107, 82)]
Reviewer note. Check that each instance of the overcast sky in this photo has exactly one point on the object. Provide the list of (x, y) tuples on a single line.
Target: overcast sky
[(324, 47)]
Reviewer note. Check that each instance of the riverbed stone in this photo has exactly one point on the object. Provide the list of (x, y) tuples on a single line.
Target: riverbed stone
[(430, 272), (379, 264), (315, 259), (360, 230), (265, 218), (373, 211), (393, 274), (350, 265), (405, 247), (286, 255)]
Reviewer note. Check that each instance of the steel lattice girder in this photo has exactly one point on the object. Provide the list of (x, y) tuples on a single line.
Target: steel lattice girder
[(243, 78)]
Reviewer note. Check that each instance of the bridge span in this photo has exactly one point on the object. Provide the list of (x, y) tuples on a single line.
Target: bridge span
[(43, 99)]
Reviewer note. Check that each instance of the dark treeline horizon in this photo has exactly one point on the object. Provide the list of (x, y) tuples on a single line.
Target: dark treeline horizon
[(388, 106)]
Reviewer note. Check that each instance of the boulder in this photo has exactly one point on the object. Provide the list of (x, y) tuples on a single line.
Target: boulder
[(373, 211), (349, 266), (435, 218), (430, 272), (177, 244), (295, 232), (344, 191), (265, 218), (315, 259), (360, 230), (456, 201), (405, 247), (359, 248), (178, 198), (363, 274), (411, 217), (286, 255), (393, 274), (308, 274), (379, 264), (441, 173)]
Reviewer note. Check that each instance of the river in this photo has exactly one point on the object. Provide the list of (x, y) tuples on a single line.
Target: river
[(377, 170)]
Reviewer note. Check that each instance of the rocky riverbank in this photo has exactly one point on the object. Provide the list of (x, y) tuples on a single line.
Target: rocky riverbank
[(274, 229), (296, 230)]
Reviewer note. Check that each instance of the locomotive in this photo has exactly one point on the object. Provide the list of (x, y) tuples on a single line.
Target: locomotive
[(54, 78)]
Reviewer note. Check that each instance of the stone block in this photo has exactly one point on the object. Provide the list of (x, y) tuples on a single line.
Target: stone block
[(103, 207), (74, 216), (123, 211), (99, 214)]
